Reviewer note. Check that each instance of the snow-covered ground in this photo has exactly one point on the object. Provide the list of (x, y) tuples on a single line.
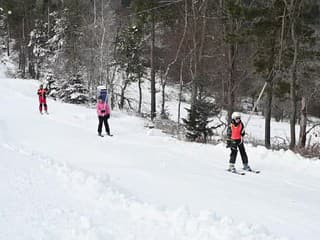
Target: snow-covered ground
[(59, 180)]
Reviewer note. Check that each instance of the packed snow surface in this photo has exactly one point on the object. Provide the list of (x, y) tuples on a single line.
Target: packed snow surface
[(59, 180)]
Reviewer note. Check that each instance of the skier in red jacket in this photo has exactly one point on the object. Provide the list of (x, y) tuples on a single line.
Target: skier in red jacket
[(42, 93)]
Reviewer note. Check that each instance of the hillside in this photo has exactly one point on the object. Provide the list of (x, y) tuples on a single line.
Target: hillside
[(59, 180)]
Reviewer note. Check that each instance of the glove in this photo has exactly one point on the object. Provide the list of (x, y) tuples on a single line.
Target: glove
[(108, 116), (228, 144)]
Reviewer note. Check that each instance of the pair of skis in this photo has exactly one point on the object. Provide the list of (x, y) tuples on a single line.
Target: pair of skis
[(244, 171)]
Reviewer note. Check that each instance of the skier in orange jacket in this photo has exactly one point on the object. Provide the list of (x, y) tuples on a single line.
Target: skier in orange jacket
[(235, 133)]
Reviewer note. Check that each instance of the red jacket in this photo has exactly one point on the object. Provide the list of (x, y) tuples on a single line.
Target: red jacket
[(42, 93)]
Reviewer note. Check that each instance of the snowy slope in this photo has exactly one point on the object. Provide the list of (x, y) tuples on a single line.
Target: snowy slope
[(60, 181)]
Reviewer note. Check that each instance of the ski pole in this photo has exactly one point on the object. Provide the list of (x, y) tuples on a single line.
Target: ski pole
[(256, 103)]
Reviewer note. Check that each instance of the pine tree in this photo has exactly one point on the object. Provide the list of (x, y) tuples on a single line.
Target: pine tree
[(198, 119), (37, 43), (200, 113), (129, 57), (73, 90)]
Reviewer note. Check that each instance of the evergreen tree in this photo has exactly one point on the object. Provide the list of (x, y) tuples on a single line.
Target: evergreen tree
[(37, 43), (46, 45), (73, 90), (197, 122), (129, 57), (199, 117)]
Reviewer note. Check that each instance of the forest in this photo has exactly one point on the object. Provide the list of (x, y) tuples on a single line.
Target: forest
[(227, 50)]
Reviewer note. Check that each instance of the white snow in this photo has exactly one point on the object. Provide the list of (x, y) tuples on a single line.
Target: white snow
[(59, 180)]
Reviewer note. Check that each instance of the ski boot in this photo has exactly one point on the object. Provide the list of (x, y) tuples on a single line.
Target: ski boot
[(246, 167), (232, 168)]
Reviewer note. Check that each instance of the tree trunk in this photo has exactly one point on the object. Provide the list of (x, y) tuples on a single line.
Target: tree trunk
[(231, 81), (303, 123), (111, 81), (268, 104), (229, 27), (8, 37), (123, 89), (49, 23), (101, 75), (153, 73), (163, 95), (94, 12), (293, 97), (198, 48), (31, 68), (180, 90), (193, 64), (140, 95), (23, 51), (178, 50)]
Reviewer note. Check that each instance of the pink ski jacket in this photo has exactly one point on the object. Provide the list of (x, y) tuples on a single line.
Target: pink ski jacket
[(103, 109)]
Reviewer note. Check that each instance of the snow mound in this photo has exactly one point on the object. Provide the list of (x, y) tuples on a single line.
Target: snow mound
[(48, 200)]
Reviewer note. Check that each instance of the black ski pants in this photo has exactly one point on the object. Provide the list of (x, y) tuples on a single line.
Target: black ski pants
[(234, 150), (103, 120)]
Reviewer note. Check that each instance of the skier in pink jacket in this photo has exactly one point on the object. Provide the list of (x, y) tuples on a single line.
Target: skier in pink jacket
[(103, 111)]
